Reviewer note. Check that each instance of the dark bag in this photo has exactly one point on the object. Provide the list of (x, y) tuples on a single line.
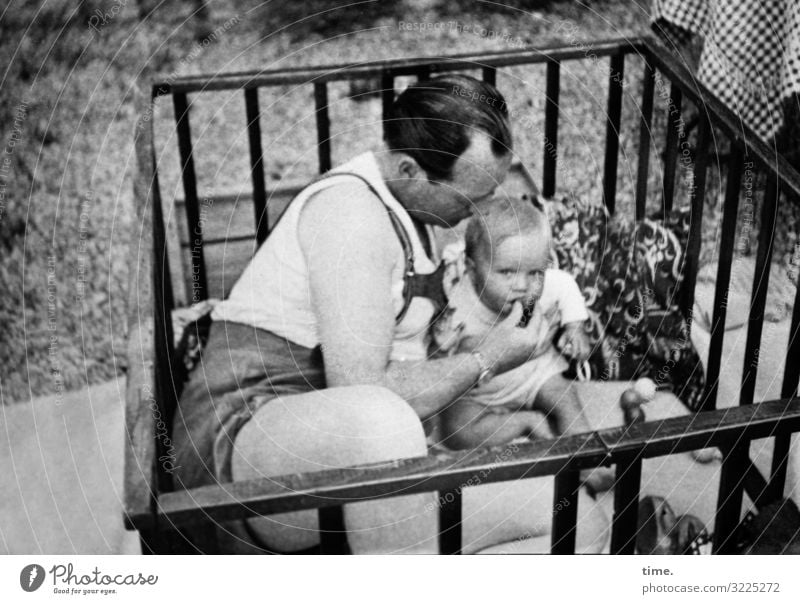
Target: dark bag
[(661, 531), (775, 529)]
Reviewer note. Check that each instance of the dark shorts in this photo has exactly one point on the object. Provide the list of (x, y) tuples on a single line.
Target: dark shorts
[(241, 368)]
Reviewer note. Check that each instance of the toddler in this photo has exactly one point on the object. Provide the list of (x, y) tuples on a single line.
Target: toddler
[(501, 268)]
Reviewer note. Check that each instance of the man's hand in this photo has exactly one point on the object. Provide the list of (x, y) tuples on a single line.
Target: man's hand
[(574, 342), (507, 345)]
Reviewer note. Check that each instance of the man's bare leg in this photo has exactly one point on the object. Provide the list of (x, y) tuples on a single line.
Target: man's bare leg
[(336, 428)]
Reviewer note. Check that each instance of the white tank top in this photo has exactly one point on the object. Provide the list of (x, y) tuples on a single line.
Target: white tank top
[(273, 291)]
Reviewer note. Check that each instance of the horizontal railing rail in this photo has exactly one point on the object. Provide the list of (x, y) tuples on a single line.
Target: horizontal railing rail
[(445, 471), (397, 67)]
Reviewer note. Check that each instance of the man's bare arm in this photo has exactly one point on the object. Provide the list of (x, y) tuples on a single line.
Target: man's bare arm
[(352, 249)]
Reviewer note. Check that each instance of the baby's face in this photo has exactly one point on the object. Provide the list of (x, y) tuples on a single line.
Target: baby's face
[(515, 272)]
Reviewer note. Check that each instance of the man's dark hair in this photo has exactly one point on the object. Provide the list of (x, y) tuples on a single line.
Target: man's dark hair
[(432, 121)]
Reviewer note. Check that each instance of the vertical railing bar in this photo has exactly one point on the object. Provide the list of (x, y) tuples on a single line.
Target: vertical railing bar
[(253, 115), (779, 468), (450, 527), (758, 300), (565, 512), (732, 473), (671, 148), (626, 505), (791, 374), (754, 484), (387, 93), (698, 195), (323, 126), (332, 531), (729, 216), (490, 75), (166, 299), (644, 139), (155, 480), (551, 128), (197, 258), (729, 500), (163, 302), (614, 113)]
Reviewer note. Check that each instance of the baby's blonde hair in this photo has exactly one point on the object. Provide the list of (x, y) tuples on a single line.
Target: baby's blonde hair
[(505, 217)]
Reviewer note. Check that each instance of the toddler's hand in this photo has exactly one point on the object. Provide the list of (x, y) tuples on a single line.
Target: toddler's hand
[(574, 342)]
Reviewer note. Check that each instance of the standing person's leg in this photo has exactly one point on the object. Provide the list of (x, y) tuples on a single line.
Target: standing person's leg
[(335, 428), (516, 517)]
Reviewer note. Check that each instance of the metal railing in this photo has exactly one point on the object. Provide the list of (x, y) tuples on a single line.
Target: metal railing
[(155, 376)]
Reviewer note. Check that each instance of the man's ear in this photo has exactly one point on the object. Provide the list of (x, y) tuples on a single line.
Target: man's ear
[(408, 167)]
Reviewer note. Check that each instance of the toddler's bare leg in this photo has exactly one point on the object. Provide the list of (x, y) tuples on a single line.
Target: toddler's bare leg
[(559, 399)]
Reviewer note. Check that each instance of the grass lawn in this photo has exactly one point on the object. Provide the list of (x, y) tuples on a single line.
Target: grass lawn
[(68, 95)]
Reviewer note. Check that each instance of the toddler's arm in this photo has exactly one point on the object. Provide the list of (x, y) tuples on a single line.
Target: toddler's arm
[(466, 425), (574, 341)]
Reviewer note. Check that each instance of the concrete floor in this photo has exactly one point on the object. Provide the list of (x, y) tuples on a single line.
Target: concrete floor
[(61, 484)]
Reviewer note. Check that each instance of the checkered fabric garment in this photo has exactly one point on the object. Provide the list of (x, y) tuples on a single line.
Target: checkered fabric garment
[(751, 52)]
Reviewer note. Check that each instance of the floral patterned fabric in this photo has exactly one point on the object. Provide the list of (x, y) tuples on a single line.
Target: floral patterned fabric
[(630, 275)]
